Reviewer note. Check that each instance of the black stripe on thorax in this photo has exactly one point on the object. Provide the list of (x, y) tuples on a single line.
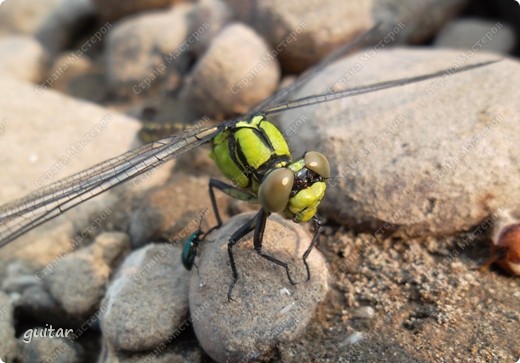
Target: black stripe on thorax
[(260, 134)]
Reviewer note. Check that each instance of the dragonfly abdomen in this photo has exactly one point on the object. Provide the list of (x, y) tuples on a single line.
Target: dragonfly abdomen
[(246, 151)]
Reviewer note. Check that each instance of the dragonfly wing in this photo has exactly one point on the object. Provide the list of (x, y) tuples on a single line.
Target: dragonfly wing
[(359, 41), (327, 97), (22, 215)]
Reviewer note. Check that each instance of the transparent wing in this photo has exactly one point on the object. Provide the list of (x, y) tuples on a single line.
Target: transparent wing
[(22, 215), (327, 97), (311, 72)]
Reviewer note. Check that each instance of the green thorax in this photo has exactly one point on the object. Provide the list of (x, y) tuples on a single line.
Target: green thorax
[(246, 151)]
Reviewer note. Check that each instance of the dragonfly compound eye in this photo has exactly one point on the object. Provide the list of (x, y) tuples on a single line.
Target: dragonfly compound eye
[(275, 189), (318, 163)]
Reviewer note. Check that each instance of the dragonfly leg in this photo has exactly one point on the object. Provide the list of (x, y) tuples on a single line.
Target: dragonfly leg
[(214, 183), (229, 190), (257, 241), (315, 238), (235, 237)]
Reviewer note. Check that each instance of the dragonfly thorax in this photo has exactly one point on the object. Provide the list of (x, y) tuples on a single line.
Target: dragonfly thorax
[(248, 150)]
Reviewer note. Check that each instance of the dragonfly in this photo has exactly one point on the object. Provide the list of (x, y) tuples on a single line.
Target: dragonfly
[(250, 151)]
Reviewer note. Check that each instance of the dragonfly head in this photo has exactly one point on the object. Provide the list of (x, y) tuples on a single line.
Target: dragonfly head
[(295, 191)]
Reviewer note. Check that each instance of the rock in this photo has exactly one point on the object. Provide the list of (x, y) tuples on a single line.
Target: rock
[(78, 77), (90, 86), (24, 16), (68, 66), (143, 51), (364, 312), (208, 17), (302, 33), (412, 21), (116, 9), (267, 310), (147, 301), (8, 345), (159, 215), (31, 151), (235, 73), (23, 57), (79, 280), (64, 135), (36, 303), (19, 277), (64, 22), (466, 33), (412, 157), (177, 352), (39, 248), (42, 349)]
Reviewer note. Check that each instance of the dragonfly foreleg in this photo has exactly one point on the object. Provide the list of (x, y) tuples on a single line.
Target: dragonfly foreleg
[(235, 237), (257, 241), (315, 239)]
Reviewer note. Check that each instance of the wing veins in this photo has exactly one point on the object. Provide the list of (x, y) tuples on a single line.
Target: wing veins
[(22, 215)]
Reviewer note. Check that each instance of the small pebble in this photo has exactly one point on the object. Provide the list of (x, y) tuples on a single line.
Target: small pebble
[(364, 312), (354, 338)]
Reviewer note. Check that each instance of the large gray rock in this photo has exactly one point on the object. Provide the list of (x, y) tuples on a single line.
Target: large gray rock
[(432, 157), (236, 73), (63, 136), (266, 309), (147, 301), (47, 136)]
